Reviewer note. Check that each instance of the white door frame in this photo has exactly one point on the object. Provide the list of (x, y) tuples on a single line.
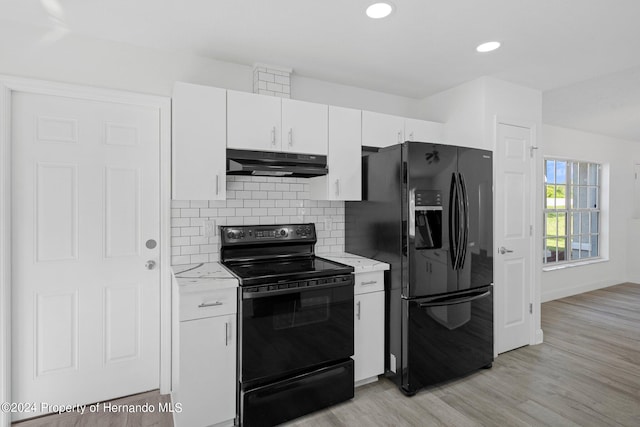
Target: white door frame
[(535, 332), (9, 84)]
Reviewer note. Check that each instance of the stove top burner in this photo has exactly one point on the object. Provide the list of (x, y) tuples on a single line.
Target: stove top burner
[(273, 271)]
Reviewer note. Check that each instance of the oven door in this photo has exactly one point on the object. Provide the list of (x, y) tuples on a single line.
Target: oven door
[(288, 330)]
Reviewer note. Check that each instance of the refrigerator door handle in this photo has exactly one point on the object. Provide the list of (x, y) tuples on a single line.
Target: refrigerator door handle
[(465, 220), (444, 301), (453, 216), (460, 223)]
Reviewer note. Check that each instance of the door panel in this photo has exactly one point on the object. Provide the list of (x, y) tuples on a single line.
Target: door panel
[(476, 168), (513, 212), (429, 171), (86, 197)]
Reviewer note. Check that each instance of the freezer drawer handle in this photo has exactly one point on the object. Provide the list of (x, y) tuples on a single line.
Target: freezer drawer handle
[(454, 301), (370, 282)]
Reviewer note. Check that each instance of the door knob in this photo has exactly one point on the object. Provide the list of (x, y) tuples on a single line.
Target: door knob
[(150, 265), (504, 250)]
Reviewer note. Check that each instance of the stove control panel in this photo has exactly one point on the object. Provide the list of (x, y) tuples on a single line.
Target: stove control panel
[(267, 233)]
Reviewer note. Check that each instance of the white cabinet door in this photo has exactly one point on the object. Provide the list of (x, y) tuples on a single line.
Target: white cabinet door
[(381, 130), (207, 388), (199, 142), (369, 336), (423, 130), (253, 121), (344, 181), (304, 127)]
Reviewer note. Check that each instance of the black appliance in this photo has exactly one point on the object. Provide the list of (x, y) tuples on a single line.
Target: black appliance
[(427, 211), (270, 163), (295, 323)]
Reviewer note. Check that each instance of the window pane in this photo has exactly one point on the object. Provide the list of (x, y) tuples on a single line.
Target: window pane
[(584, 171), (561, 172), (582, 199), (584, 227), (551, 246), (575, 247), (575, 223), (550, 174), (593, 174), (562, 223), (550, 201), (594, 222), (594, 245), (592, 200), (562, 247), (575, 177), (574, 198)]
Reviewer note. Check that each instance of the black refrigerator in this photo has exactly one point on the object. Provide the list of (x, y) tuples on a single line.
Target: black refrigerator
[(427, 210)]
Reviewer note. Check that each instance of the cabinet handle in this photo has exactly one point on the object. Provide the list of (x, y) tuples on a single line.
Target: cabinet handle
[(358, 314), (399, 136), (290, 137), (217, 184), (226, 334), (370, 282), (273, 135), (210, 304), (411, 136), (337, 187)]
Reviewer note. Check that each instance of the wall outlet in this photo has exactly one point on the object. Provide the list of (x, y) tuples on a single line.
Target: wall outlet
[(210, 228)]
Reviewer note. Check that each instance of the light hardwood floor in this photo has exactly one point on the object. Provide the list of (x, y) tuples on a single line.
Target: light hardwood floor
[(587, 373)]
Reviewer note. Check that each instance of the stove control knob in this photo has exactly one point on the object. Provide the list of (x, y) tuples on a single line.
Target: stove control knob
[(283, 232), (231, 235)]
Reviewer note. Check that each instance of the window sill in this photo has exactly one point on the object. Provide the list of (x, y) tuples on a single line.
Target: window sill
[(574, 264)]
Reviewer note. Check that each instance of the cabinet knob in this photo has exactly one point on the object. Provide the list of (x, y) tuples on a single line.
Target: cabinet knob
[(290, 137)]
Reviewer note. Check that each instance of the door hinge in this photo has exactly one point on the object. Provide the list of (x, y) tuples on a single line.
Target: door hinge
[(530, 308)]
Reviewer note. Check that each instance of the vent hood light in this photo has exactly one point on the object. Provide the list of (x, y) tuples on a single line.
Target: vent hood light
[(488, 47), (379, 10)]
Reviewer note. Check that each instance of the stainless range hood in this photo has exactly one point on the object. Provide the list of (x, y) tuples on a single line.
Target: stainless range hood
[(270, 163)]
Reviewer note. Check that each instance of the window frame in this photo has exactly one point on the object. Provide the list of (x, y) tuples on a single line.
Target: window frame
[(574, 191)]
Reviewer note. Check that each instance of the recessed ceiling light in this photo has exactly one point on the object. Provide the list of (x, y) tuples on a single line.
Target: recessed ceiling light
[(488, 47), (379, 10)]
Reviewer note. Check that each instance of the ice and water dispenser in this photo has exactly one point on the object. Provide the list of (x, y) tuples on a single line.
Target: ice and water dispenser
[(426, 219)]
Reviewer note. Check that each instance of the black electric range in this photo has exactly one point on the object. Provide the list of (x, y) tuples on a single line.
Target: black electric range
[(295, 322)]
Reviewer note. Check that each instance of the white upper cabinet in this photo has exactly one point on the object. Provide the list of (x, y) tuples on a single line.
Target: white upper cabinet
[(269, 123), (423, 130), (304, 127), (344, 181), (253, 121), (381, 130), (199, 142)]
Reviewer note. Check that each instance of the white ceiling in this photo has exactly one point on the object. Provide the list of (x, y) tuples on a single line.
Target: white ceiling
[(583, 54)]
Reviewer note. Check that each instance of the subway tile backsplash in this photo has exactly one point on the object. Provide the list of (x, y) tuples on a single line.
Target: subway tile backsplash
[(252, 200)]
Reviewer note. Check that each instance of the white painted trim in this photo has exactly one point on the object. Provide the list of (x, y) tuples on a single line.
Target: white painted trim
[(535, 330), (9, 84), (5, 252)]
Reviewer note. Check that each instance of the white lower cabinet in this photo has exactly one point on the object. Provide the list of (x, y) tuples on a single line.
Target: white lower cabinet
[(369, 328), (206, 388)]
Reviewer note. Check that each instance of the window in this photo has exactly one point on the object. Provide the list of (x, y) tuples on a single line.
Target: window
[(571, 211)]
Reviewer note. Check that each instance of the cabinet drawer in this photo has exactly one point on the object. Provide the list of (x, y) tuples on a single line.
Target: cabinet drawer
[(207, 303), (369, 282)]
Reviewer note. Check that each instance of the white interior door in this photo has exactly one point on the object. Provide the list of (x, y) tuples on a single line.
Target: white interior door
[(85, 214), (513, 236)]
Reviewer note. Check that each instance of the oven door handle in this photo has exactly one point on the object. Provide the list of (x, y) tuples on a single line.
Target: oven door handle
[(246, 294)]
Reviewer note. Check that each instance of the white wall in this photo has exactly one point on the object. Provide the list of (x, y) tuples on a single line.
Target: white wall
[(93, 62), (619, 157)]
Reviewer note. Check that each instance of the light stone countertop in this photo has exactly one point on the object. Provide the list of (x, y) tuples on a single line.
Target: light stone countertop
[(359, 264), (207, 273)]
